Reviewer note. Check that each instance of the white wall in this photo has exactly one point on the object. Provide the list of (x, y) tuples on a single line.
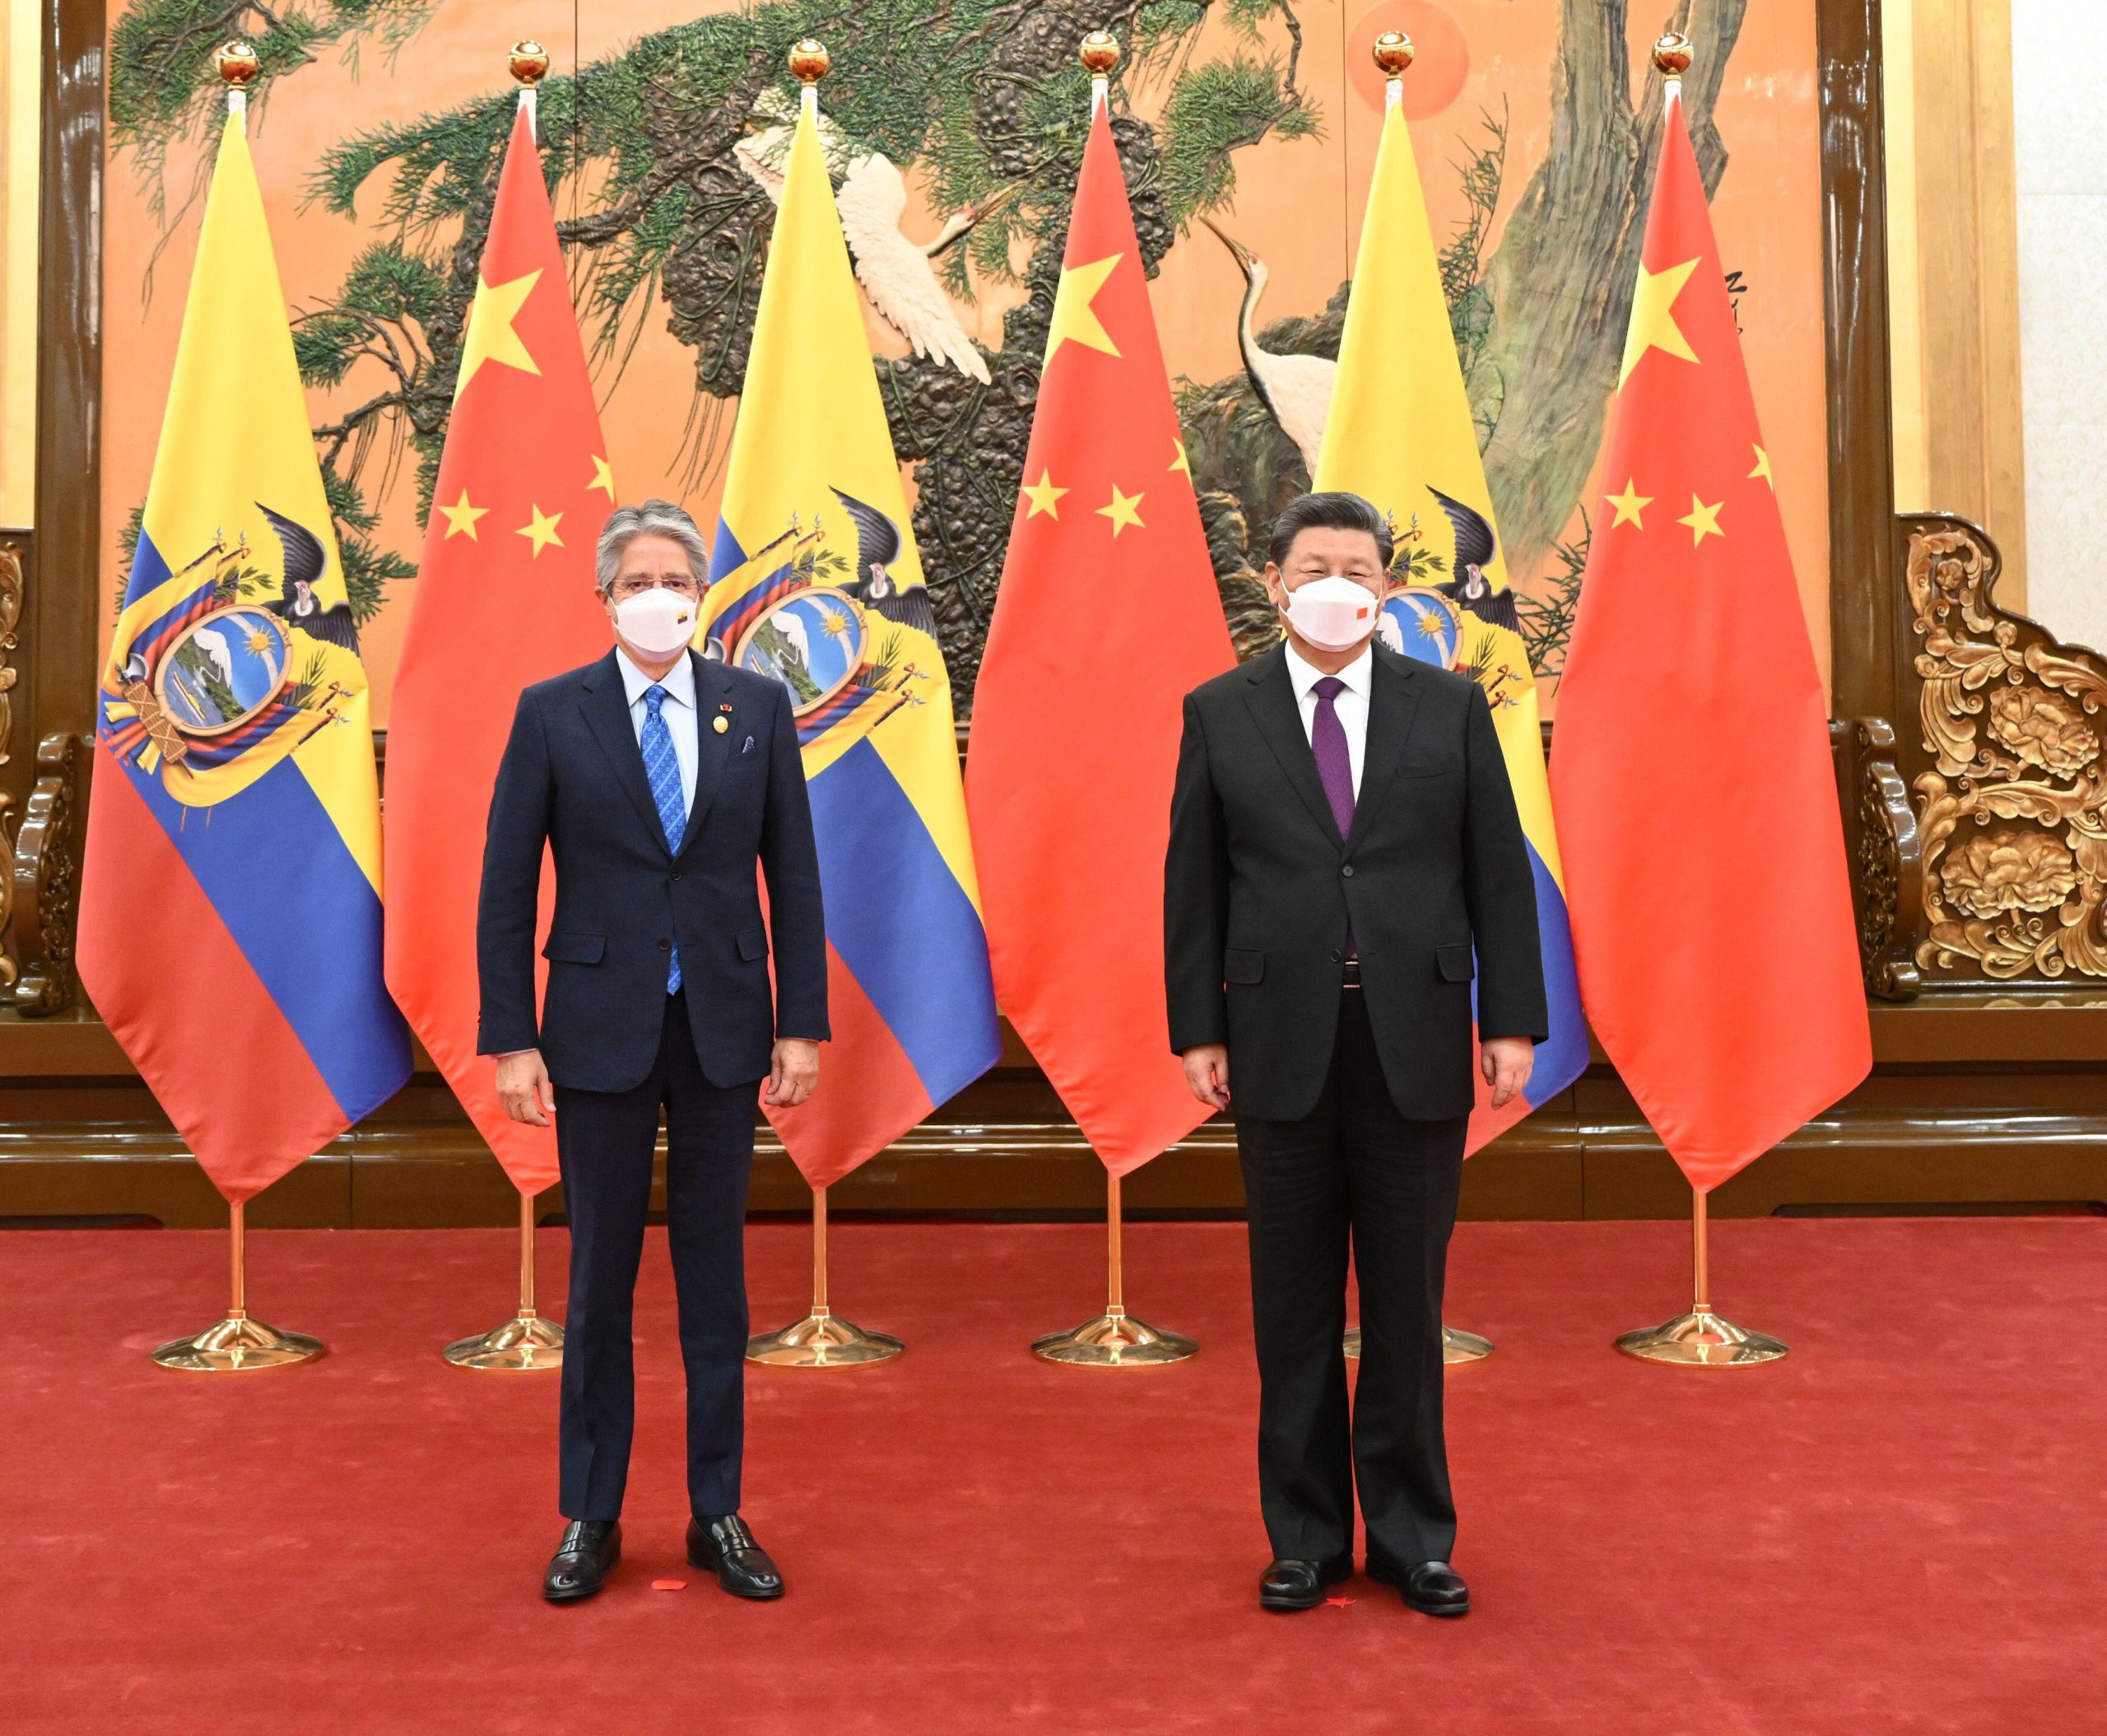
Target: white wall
[(2059, 103)]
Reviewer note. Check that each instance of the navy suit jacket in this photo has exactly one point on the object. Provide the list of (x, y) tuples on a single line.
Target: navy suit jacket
[(573, 779)]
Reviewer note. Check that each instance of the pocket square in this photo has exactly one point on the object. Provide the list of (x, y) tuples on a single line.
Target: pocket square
[(748, 748)]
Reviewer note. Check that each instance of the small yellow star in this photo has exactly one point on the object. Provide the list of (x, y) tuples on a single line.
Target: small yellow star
[(1074, 318), (1628, 504), (1762, 467), (1653, 317), (489, 337), (1043, 496), (1704, 521), (461, 518), (1122, 511), (1181, 463), (603, 478), (542, 530)]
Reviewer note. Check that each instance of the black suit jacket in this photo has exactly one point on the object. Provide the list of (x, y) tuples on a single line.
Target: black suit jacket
[(1259, 888), (573, 778)]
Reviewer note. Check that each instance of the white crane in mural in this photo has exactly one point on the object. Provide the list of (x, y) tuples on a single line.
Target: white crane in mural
[(894, 272), (1295, 389)]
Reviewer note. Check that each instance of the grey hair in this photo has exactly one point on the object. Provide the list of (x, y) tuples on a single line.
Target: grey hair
[(653, 518)]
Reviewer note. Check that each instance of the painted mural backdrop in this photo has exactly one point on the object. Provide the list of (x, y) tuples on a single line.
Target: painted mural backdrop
[(1248, 130)]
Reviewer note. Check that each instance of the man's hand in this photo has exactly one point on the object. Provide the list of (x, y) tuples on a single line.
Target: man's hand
[(1506, 1062), (523, 1087), (1207, 1071), (793, 1072)]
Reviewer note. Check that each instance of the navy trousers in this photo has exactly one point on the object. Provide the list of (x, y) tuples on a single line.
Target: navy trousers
[(1353, 1169), (604, 1144)]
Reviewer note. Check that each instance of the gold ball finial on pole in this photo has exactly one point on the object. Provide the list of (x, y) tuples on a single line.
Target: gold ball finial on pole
[(1099, 54), (236, 63), (1671, 55), (529, 63), (809, 62), (1392, 53)]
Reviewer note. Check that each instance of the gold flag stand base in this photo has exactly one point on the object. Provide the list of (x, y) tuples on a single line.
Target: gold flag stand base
[(524, 1342), (1115, 1338), (1457, 1346), (1701, 1338), (821, 1340), (237, 1344)]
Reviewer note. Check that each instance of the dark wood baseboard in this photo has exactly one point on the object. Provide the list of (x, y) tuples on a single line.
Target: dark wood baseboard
[(1976, 1099)]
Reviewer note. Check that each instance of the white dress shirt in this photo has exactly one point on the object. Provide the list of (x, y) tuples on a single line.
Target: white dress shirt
[(1351, 703), (678, 711)]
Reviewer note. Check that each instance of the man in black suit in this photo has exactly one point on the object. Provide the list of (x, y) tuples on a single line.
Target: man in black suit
[(1343, 839), (657, 779)]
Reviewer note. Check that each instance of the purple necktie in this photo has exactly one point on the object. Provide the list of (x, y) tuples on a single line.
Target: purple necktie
[(1327, 741)]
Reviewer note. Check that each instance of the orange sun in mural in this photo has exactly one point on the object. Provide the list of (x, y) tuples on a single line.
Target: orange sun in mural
[(1442, 56)]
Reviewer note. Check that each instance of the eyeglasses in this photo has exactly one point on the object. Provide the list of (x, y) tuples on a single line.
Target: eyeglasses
[(628, 588)]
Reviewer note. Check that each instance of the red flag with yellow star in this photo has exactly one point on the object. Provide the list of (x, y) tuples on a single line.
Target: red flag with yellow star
[(1697, 810), (1107, 617), (505, 597)]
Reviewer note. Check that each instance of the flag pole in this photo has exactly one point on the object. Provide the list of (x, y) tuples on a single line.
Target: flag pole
[(1392, 53), (821, 1340), (526, 1342), (237, 1344), (1701, 1338)]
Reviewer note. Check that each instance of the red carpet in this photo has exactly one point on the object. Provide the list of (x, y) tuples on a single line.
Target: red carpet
[(1901, 1527)]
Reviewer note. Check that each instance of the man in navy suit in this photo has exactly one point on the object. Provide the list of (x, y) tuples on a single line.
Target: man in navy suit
[(657, 778)]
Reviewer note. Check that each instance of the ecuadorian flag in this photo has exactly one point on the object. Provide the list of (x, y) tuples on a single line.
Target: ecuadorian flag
[(230, 894), (1400, 433), (816, 582)]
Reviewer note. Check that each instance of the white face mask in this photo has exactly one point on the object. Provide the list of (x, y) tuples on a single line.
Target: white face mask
[(658, 622), (1334, 614)]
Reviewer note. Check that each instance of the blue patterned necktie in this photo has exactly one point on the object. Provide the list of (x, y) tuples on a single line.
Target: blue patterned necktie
[(662, 766)]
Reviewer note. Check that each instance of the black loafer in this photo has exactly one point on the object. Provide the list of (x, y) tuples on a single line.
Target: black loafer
[(589, 1548), (1432, 1588), (723, 1546), (1293, 1584)]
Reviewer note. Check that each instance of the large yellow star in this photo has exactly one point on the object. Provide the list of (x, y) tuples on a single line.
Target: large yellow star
[(1181, 462), (1074, 318), (1762, 467), (1653, 317), (489, 337), (461, 518), (1628, 504), (541, 531), (1123, 511), (603, 477), (1043, 496), (1704, 521)]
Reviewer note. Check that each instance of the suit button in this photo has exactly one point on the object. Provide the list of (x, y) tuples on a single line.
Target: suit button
[(665, 946), (1336, 954), (1347, 871), (676, 873)]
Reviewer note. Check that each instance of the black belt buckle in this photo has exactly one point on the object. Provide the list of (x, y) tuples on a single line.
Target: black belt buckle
[(1351, 979)]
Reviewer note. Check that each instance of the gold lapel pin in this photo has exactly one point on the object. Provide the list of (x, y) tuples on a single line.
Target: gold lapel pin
[(719, 725)]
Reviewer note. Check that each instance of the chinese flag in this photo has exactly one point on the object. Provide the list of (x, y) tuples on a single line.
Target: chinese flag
[(1697, 810), (1107, 617), (505, 597)]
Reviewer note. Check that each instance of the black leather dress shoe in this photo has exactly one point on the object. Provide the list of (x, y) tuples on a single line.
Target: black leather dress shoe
[(1292, 1585), (1432, 1588), (723, 1546), (590, 1546)]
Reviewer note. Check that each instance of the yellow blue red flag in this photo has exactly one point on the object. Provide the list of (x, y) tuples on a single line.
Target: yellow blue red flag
[(1400, 433), (230, 930), (816, 582)]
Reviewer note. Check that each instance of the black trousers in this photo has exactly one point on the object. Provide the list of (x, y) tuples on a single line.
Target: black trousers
[(604, 1145), (1353, 1167)]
